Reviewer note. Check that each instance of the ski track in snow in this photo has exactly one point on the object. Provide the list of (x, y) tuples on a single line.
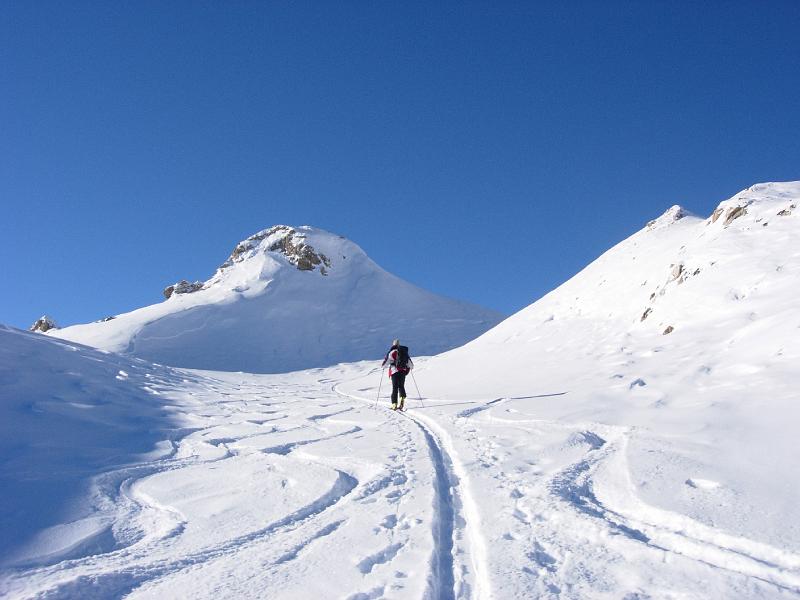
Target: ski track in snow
[(597, 490), (571, 528), (153, 530), (449, 577), (118, 569)]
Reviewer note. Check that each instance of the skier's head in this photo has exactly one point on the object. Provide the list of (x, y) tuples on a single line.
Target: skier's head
[(395, 342)]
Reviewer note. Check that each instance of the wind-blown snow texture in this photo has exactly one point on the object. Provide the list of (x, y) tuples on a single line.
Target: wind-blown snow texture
[(580, 453), (260, 313)]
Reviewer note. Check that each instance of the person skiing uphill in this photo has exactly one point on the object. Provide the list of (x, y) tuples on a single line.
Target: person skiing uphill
[(400, 365)]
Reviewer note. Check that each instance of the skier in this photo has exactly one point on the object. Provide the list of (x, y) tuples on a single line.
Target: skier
[(400, 365)]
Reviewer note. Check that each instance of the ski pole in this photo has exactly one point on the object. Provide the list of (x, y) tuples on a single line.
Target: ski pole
[(380, 383), (416, 386)]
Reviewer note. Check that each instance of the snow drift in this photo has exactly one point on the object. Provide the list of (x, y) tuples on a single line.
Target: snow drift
[(69, 413), (287, 299)]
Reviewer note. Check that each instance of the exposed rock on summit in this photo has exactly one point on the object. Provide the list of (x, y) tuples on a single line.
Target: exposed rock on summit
[(286, 240), (43, 323)]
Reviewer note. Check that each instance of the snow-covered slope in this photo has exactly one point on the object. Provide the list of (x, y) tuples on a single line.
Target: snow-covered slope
[(720, 292), (288, 299), (685, 339), (68, 414)]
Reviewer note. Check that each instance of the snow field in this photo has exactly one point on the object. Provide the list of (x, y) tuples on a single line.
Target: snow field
[(631, 435), (555, 509), (276, 485)]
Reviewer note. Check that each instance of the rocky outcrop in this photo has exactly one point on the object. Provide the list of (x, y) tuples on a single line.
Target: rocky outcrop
[(728, 212), (288, 242), (734, 213), (303, 256), (787, 211), (246, 245), (182, 287), (43, 323)]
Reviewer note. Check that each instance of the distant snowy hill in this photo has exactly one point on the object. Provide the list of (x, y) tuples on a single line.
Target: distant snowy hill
[(287, 298)]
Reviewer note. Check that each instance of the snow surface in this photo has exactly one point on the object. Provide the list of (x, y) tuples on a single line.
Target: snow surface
[(261, 314), (574, 451)]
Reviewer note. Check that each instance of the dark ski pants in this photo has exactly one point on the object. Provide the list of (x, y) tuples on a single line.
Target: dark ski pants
[(398, 384)]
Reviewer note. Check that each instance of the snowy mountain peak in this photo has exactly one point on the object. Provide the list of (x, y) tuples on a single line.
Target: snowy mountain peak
[(288, 298), (43, 323), (674, 213), (288, 242)]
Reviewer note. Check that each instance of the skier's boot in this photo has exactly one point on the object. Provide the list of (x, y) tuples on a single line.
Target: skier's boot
[(394, 405), (402, 403)]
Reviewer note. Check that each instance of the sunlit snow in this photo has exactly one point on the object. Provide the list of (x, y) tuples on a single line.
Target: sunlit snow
[(630, 435)]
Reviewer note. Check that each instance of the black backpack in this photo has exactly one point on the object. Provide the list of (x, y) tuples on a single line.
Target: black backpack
[(402, 358)]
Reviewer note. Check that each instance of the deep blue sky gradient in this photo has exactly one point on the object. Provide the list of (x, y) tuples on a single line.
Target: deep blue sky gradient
[(485, 151)]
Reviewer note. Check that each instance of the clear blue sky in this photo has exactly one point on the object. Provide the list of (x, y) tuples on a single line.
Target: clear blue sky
[(486, 151)]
